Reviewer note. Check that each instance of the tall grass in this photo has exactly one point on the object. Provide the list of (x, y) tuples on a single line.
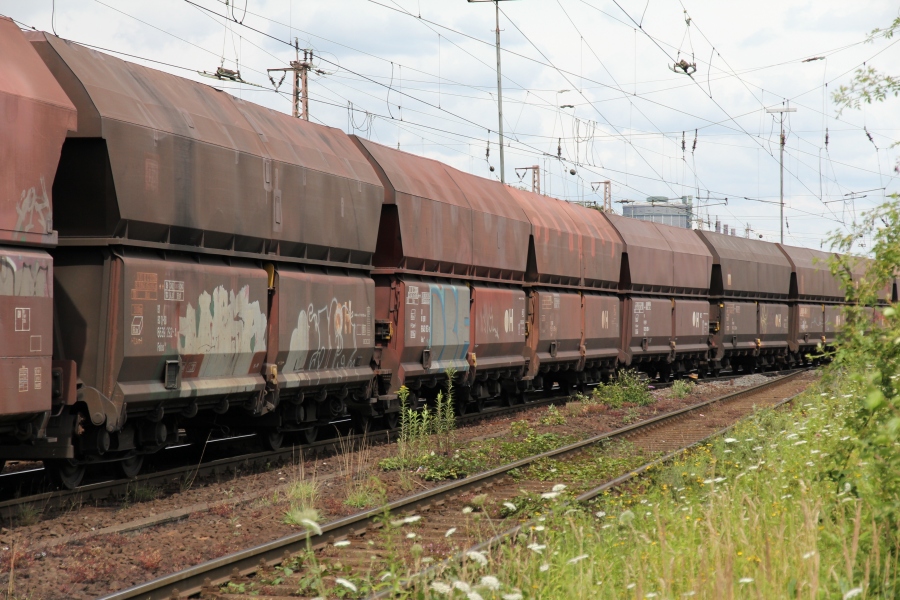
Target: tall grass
[(426, 430), (751, 515)]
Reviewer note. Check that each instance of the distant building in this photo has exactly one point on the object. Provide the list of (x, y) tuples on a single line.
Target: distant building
[(678, 212)]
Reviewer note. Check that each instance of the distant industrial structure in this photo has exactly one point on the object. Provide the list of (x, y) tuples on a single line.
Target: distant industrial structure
[(659, 209)]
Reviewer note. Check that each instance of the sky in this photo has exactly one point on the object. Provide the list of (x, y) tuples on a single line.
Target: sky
[(588, 88)]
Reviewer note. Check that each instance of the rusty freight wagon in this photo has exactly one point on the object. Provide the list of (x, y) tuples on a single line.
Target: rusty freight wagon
[(816, 299), (664, 285), (572, 322), (35, 115), (212, 269), (450, 261), (748, 303)]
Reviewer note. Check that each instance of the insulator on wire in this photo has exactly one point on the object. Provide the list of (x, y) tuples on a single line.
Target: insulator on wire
[(695, 142), (559, 149), (682, 141), (826, 138)]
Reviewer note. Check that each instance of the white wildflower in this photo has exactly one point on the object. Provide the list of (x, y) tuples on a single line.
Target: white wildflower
[(410, 536), (539, 548), (478, 557), (441, 588), (559, 487), (544, 568), (578, 558), (549, 495), (347, 584), (513, 596), (809, 555), (540, 528), (467, 510), (745, 580), (600, 514), (341, 544), (630, 586), (474, 596), (800, 443), (462, 586), (650, 595), (406, 520), (450, 532), (490, 582), (730, 440), (853, 593), (510, 506)]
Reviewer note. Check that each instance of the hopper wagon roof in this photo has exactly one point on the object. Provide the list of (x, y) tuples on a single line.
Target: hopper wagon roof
[(448, 221), (662, 258), (36, 115), (181, 154), (812, 272), (746, 267)]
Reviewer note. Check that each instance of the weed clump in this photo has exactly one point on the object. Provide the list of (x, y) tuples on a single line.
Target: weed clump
[(681, 389), (553, 416), (628, 388)]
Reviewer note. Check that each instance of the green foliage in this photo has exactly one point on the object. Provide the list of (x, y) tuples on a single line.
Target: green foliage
[(425, 431), (869, 85), (628, 388), (681, 388), (755, 514), (521, 429), (553, 416), (868, 359)]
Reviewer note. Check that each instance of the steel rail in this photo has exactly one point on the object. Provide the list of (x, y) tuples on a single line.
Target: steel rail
[(586, 496), (191, 580), (102, 490)]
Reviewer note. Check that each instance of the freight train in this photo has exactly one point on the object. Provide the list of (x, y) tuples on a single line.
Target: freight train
[(175, 258)]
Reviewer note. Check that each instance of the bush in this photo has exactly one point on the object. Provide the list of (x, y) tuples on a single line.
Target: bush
[(629, 387), (681, 389)]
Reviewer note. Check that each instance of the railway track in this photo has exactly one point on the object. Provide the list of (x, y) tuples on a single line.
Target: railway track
[(182, 464), (450, 520)]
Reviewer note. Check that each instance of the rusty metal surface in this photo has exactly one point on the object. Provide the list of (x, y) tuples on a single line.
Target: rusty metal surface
[(127, 315), (428, 316), (188, 164), (448, 221), (747, 268), (601, 326), (647, 328), (649, 255), (774, 322), (691, 259), (435, 221), (691, 326), (663, 259), (555, 328), (557, 240), (812, 273), (500, 228), (498, 327), (737, 326), (26, 330), (35, 115), (809, 326), (601, 247), (325, 329)]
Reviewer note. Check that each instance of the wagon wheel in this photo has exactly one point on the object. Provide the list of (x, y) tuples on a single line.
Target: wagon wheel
[(272, 440), (309, 435), (391, 420), (64, 473), (131, 466)]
